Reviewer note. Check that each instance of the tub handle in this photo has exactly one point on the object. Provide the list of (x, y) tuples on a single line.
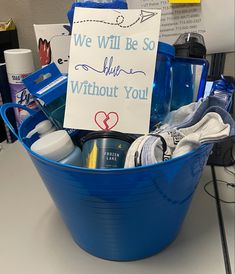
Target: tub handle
[(3, 112)]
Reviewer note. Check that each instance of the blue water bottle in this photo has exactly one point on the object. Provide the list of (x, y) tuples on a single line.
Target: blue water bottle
[(190, 51), (174, 82), (162, 85)]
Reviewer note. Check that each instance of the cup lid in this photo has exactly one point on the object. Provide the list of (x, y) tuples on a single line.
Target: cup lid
[(108, 134), (19, 61), (190, 45), (55, 146)]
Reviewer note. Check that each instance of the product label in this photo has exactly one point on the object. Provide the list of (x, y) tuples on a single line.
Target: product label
[(111, 158), (100, 156), (20, 95)]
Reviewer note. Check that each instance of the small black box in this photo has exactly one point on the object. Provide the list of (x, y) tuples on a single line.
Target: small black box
[(8, 40)]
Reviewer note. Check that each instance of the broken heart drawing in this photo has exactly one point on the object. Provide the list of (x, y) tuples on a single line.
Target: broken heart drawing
[(106, 121)]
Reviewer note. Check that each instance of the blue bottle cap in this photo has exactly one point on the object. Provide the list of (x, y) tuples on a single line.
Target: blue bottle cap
[(165, 48)]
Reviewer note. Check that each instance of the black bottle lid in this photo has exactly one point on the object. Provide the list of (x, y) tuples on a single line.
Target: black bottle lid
[(108, 134), (190, 45)]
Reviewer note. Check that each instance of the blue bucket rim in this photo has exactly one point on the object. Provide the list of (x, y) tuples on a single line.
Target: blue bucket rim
[(95, 170), (114, 170)]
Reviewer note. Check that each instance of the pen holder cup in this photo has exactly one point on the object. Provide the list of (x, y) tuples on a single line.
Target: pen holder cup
[(119, 214)]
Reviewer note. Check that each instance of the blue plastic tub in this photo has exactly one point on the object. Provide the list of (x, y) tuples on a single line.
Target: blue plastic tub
[(119, 214)]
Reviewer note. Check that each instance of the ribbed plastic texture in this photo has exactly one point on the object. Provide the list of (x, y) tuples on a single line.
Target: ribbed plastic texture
[(121, 214)]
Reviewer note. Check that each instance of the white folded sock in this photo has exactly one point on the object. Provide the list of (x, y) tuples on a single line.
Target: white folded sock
[(134, 152), (177, 116), (210, 129), (166, 144)]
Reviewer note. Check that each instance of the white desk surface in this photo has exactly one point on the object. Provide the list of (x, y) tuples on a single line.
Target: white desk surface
[(34, 239)]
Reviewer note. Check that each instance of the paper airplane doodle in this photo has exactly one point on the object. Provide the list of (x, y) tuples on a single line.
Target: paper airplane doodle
[(144, 16)]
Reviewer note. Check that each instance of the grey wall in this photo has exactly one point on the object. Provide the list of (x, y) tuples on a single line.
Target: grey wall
[(230, 64), (28, 12), (25, 13)]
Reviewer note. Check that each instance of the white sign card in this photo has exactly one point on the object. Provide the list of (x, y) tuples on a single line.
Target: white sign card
[(111, 69), (53, 41)]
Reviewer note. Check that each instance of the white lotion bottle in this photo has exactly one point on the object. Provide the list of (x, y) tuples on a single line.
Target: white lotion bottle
[(58, 146)]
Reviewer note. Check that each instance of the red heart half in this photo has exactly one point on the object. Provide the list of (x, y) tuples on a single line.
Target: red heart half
[(106, 121)]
